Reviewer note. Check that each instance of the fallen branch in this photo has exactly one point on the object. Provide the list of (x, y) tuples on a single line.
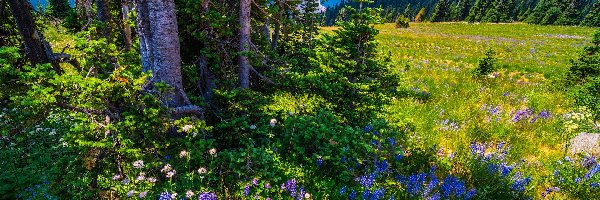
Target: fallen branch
[(261, 76), (191, 109)]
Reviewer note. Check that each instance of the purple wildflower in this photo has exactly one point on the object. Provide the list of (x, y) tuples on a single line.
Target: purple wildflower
[(352, 195), (165, 196), (366, 180), (246, 190), (207, 196)]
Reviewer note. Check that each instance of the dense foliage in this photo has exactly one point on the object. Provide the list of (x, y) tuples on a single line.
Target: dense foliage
[(547, 12)]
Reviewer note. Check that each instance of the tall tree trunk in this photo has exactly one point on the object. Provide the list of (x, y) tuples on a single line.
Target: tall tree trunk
[(159, 40), (87, 10), (126, 27), (206, 81), (266, 31), (36, 48), (277, 28), (244, 62), (103, 16)]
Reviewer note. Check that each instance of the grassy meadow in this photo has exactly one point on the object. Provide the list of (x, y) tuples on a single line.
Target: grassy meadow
[(456, 109)]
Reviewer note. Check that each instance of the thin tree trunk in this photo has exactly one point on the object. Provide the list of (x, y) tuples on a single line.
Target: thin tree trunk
[(266, 31), (87, 6), (126, 27), (277, 28), (244, 62), (143, 29), (206, 82), (160, 52)]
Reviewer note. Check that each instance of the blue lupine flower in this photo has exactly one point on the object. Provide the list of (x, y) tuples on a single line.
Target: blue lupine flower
[(376, 133), (290, 186), (431, 185), (391, 141), (588, 161), (381, 167), (368, 128), (301, 193), (505, 170), (319, 162), (594, 184), (592, 172), (492, 168), (578, 180), (435, 196), (165, 196), (451, 186), (544, 114), (255, 181), (366, 194), (556, 173), (352, 195), (343, 190), (378, 194), (246, 190), (399, 156), (549, 191), (470, 194), (207, 196), (366, 180), (520, 183)]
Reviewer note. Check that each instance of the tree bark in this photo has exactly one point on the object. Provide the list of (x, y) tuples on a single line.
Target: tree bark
[(277, 28), (244, 62), (126, 27), (103, 16), (36, 49), (159, 41)]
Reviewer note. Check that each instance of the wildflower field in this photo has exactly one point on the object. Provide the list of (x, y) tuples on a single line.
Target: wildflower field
[(522, 106)]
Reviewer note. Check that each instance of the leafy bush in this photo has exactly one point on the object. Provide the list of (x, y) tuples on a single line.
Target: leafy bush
[(402, 22)]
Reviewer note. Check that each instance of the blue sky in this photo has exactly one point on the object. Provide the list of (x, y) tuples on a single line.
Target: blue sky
[(329, 3), (35, 3)]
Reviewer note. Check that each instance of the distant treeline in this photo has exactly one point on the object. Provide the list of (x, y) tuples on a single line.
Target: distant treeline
[(546, 12)]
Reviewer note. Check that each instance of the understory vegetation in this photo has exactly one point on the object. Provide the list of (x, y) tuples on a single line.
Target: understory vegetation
[(362, 110)]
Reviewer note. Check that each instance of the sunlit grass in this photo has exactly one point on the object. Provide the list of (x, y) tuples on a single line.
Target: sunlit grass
[(438, 58)]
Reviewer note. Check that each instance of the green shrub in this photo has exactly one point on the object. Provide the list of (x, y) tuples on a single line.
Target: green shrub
[(584, 76), (402, 22), (486, 65)]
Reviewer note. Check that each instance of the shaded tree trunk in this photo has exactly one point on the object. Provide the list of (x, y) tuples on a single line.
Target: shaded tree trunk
[(277, 26), (103, 16), (85, 9), (244, 62), (206, 82), (36, 48), (159, 40), (126, 27)]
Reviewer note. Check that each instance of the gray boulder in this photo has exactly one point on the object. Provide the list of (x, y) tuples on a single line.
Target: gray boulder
[(586, 143)]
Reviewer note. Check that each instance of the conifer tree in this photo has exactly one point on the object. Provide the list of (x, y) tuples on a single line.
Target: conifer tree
[(419, 17), (59, 8), (592, 18), (441, 11), (478, 11), (538, 12), (570, 14)]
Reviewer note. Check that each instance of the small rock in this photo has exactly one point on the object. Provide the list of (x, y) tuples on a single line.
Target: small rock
[(586, 143)]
